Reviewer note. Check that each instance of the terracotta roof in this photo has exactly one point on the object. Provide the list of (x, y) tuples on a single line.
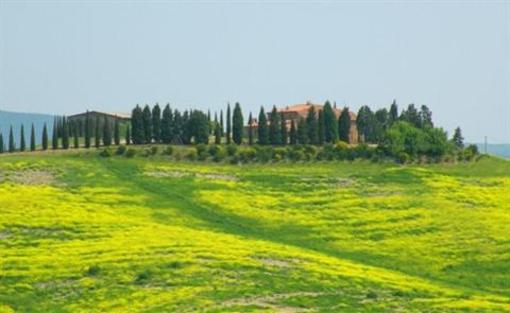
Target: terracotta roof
[(302, 109)]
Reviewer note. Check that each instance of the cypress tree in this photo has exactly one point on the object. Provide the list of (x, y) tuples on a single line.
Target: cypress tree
[(65, 133), (263, 135), (330, 123), (302, 131), (275, 134), (76, 135), (411, 115), (22, 139), (393, 113), (137, 126), (458, 140), (128, 135), (381, 124), (221, 123), (229, 128), (45, 137), (156, 123), (312, 126), (97, 137), (12, 144), (283, 130), (2, 147), (166, 125), (344, 125), (116, 132), (54, 138), (321, 131), (425, 116), (293, 133), (250, 130), (237, 124), (365, 122), (147, 124), (177, 127), (217, 134), (88, 130), (107, 132), (32, 138)]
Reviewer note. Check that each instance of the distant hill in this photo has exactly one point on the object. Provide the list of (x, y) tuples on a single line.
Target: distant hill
[(501, 150), (16, 119)]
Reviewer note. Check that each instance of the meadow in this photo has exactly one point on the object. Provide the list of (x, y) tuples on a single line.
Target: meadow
[(81, 233)]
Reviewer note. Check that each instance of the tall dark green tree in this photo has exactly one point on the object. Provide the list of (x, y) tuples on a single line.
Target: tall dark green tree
[(411, 116), (156, 123), (128, 135), (199, 126), (32, 138), (283, 130), (107, 132), (76, 134), (229, 125), (217, 133), (293, 133), (302, 131), (116, 132), (321, 131), (393, 116), (250, 130), (330, 123), (54, 137), (166, 125), (222, 125), (275, 131), (45, 137), (312, 126), (381, 124), (2, 147), (147, 124), (97, 137), (22, 144), (12, 144), (65, 133), (237, 124), (87, 130), (425, 116), (263, 133), (177, 127), (365, 122), (457, 139), (344, 125), (137, 129)]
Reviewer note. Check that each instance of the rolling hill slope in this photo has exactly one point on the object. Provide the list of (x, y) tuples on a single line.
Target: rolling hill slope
[(87, 234)]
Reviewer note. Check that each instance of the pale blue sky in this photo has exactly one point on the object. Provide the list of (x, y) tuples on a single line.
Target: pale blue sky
[(65, 57)]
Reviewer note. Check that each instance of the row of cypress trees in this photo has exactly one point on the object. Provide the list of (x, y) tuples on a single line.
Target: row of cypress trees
[(64, 131)]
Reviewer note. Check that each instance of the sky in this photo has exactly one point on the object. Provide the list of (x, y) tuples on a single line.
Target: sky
[(64, 57)]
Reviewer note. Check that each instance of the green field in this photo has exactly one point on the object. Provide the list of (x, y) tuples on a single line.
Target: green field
[(80, 233)]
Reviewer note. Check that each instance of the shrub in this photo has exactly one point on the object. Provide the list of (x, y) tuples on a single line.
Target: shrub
[(121, 150), (279, 153), (154, 150), (231, 150), (403, 158), (201, 148), (130, 153), (106, 153), (220, 154), (264, 154), (192, 155), (93, 270), (296, 153), (143, 277), (168, 150), (213, 150), (247, 155), (310, 152)]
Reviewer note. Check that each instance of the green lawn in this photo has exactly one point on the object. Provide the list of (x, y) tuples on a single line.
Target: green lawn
[(80, 233)]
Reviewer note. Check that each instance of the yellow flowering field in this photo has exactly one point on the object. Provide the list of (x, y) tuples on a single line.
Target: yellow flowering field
[(79, 233)]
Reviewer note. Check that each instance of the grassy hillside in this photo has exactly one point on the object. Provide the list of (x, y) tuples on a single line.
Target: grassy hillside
[(85, 234)]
